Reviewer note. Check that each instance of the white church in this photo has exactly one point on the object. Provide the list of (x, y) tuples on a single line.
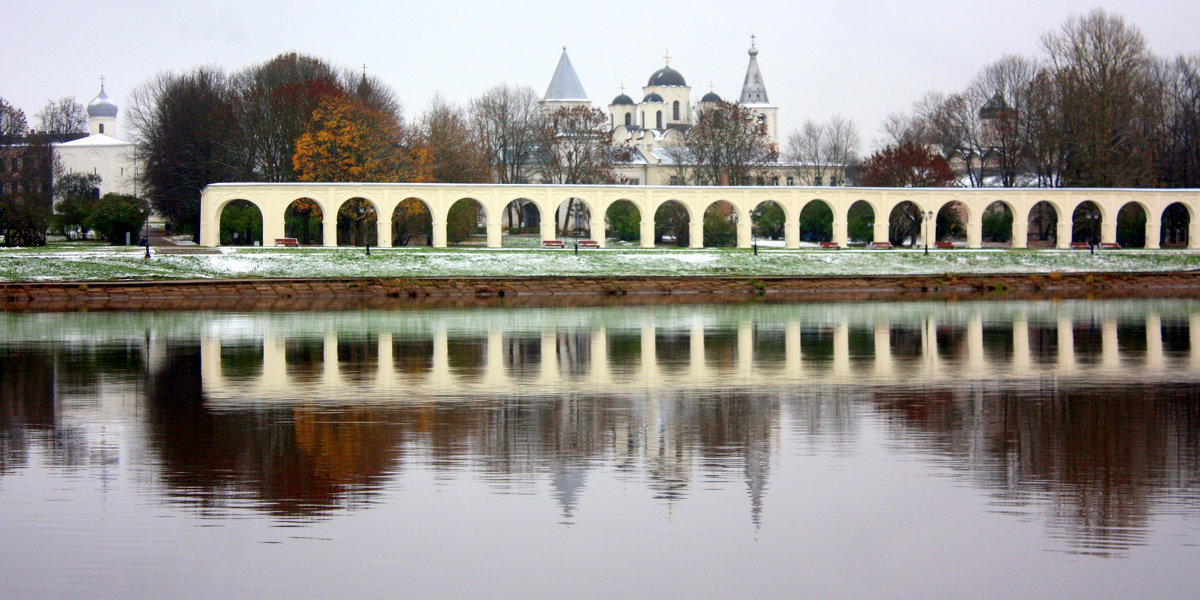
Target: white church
[(101, 152), (663, 116)]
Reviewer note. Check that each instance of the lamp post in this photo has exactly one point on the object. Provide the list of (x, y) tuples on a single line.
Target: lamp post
[(754, 215), (1094, 219), (928, 219), (362, 229)]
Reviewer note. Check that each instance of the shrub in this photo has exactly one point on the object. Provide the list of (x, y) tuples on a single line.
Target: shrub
[(115, 215)]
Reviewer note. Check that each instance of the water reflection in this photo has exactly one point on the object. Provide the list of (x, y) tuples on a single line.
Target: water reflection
[(1081, 414)]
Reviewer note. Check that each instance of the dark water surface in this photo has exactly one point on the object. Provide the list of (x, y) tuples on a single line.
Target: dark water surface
[(943, 450)]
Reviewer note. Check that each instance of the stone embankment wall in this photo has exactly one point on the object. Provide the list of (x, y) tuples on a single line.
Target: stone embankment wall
[(295, 294)]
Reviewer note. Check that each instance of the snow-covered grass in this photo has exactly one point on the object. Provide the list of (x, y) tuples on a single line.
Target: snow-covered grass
[(98, 263)]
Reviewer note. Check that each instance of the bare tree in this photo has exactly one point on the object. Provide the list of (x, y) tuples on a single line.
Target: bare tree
[(727, 143), (274, 102), (454, 148), (821, 152), (1107, 100), (183, 125), (508, 121), (62, 118), (1006, 126), (1178, 157)]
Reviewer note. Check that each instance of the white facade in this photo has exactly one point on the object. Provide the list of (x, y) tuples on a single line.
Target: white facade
[(101, 152)]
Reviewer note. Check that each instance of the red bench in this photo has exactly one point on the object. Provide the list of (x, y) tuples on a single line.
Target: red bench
[(944, 245), (829, 246), (881, 245), (552, 243), (1079, 246), (289, 242), (589, 244), (1110, 246)]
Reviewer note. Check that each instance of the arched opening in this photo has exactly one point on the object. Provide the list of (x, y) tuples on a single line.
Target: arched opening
[(1176, 220), (720, 225), (241, 224), (1085, 224), (628, 119), (860, 223), (573, 218), (997, 225), (466, 223), (1043, 226), (675, 111), (520, 224), (816, 222), (303, 220), (904, 224), (357, 223), (671, 223), (950, 224), (1131, 226), (623, 223), (768, 220), (412, 224)]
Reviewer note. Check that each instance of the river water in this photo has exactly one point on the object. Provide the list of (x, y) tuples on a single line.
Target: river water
[(934, 450)]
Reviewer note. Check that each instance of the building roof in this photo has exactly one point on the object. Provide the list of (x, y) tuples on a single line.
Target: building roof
[(668, 77), (565, 85), (652, 97), (710, 97), (622, 100), (754, 91), (101, 106), (96, 139)]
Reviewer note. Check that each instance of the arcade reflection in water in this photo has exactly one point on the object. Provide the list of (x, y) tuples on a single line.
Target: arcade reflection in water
[(1085, 411)]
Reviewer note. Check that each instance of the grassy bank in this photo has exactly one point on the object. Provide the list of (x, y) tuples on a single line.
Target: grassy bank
[(97, 263)]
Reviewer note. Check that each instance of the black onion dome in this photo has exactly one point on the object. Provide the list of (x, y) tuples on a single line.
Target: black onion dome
[(667, 76), (622, 100), (711, 97), (652, 97)]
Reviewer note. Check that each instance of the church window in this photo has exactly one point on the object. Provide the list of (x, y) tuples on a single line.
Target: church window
[(658, 120), (775, 180), (791, 180), (102, 128), (675, 111), (628, 119)]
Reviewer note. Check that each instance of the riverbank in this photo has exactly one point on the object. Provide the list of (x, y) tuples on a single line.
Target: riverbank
[(88, 263), (383, 293)]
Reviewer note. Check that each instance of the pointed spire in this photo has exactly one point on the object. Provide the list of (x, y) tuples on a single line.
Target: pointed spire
[(565, 84), (754, 91)]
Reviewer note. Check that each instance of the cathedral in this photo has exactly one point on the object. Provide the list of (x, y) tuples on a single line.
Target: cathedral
[(661, 119), (101, 152)]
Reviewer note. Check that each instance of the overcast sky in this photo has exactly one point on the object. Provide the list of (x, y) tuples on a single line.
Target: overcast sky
[(862, 59)]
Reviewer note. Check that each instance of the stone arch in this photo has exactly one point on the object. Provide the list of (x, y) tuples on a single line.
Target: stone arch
[(1085, 222), (466, 222), (1131, 225), (905, 223), (357, 222), (412, 223), (623, 221), (720, 224), (860, 222), (950, 223), (1042, 224), (816, 222), (241, 223), (769, 220), (520, 223), (573, 217), (998, 225), (1175, 225), (304, 219), (672, 223)]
